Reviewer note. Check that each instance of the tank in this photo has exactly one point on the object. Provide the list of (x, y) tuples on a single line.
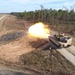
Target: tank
[(63, 40)]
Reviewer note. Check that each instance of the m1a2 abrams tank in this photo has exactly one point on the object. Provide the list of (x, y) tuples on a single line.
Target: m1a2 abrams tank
[(63, 40), (60, 40)]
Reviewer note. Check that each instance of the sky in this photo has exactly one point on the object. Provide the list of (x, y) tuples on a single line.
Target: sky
[(7, 6)]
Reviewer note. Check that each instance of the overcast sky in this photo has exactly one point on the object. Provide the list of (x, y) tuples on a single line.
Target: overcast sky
[(30, 5)]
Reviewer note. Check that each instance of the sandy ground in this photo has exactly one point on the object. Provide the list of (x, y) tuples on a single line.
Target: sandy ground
[(11, 51), (12, 46)]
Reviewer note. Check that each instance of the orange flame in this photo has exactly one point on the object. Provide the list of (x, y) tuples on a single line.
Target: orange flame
[(39, 30)]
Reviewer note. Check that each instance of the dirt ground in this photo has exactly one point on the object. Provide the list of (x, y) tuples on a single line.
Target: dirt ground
[(17, 48), (13, 44)]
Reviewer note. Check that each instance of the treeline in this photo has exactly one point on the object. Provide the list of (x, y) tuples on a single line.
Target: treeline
[(51, 16)]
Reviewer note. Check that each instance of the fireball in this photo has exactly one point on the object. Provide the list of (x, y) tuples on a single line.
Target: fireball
[(39, 30)]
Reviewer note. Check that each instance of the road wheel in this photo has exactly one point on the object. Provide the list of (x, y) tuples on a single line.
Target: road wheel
[(63, 45)]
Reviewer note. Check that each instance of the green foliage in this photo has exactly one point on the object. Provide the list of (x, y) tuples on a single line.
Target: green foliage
[(50, 16)]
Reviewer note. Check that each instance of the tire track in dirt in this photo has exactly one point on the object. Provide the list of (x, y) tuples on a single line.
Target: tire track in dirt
[(71, 49), (2, 20), (68, 55)]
